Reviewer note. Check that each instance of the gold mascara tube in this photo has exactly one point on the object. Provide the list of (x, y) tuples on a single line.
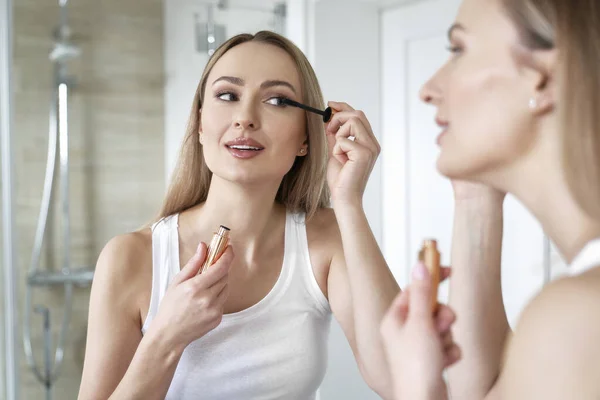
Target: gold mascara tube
[(217, 247), (430, 256)]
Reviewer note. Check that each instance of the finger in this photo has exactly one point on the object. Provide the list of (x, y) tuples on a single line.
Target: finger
[(447, 340), (214, 291), (444, 318), (217, 271), (453, 355), (420, 294), (340, 106), (445, 273), (343, 117), (343, 147), (331, 141), (223, 295), (193, 265), (354, 129), (399, 307)]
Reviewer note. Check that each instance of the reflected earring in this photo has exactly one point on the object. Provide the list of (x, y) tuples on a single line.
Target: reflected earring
[(532, 103)]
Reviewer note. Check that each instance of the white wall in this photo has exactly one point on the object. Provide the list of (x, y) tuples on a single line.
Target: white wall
[(345, 47), (184, 65)]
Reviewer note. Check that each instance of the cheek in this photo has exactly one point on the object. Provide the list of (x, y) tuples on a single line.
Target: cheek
[(489, 128)]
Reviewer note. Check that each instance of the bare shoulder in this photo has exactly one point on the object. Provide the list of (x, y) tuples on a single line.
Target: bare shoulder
[(555, 347), (323, 226), (124, 268)]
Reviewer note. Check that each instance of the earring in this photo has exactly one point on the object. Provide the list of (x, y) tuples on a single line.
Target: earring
[(532, 103), (201, 139), (302, 151)]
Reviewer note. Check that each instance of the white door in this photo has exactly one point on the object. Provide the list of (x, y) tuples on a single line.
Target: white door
[(417, 201)]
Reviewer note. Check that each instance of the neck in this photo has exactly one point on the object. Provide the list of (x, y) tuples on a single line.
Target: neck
[(542, 188), (250, 211)]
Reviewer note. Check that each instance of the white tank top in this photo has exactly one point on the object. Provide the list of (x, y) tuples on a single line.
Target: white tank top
[(588, 258), (276, 349)]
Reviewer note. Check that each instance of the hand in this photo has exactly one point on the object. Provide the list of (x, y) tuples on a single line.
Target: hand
[(350, 162), (193, 304), (418, 343)]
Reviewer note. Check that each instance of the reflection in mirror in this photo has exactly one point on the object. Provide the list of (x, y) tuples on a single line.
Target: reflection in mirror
[(102, 94), (89, 152)]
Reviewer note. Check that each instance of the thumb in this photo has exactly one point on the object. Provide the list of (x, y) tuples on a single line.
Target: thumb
[(193, 265), (420, 294)]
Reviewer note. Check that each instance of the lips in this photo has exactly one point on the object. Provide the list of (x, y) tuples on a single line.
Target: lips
[(243, 143), (442, 123), (244, 148)]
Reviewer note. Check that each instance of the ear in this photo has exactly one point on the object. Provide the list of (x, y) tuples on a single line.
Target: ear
[(200, 125), (544, 63), (303, 150)]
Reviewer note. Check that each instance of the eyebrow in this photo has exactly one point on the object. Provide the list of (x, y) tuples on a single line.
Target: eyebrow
[(453, 28), (265, 85)]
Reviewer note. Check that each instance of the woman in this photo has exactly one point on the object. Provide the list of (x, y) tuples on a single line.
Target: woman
[(253, 326), (518, 102)]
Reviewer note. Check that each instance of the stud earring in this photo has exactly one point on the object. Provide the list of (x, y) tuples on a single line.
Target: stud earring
[(302, 151), (201, 139), (532, 103)]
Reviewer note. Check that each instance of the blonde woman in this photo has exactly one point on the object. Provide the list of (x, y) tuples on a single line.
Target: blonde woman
[(254, 325), (518, 104)]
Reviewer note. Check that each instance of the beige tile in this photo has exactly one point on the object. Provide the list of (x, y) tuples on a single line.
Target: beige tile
[(116, 147)]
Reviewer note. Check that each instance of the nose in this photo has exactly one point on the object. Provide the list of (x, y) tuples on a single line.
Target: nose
[(244, 123), (431, 92), (246, 117)]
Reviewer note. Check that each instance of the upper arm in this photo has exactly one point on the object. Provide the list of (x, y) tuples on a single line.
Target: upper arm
[(114, 325), (554, 353), (338, 284), (327, 257)]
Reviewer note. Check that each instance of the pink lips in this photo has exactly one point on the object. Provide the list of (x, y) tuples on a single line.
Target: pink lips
[(244, 148), (442, 124)]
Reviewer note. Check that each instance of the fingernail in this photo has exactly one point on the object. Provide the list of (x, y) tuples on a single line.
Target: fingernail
[(420, 272), (198, 248)]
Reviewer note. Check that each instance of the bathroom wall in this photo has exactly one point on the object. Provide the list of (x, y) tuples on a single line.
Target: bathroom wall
[(184, 64), (116, 146)]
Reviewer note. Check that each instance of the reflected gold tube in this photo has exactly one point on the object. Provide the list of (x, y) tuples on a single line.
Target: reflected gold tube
[(430, 256), (217, 247)]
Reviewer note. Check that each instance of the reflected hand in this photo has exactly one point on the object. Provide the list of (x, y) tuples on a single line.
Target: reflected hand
[(193, 304), (350, 161)]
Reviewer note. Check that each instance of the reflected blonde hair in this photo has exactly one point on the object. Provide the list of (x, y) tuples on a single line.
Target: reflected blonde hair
[(303, 188), (573, 28)]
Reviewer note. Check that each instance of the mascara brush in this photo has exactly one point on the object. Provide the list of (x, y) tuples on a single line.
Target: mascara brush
[(326, 114)]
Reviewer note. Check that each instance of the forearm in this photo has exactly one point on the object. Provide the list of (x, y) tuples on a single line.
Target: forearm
[(151, 370), (476, 296), (372, 288)]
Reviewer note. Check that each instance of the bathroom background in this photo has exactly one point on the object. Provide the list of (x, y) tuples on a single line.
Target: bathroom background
[(128, 70)]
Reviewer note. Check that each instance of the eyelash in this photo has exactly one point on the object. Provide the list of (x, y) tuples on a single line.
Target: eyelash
[(454, 49), (235, 98)]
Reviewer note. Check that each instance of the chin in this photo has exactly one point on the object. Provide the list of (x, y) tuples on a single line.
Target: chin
[(455, 169)]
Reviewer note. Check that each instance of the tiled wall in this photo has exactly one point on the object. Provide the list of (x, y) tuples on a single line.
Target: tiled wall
[(116, 146)]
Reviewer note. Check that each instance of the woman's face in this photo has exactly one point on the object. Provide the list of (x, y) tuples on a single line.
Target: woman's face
[(483, 95), (248, 137)]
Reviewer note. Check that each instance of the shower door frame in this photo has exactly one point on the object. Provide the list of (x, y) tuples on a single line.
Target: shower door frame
[(9, 262)]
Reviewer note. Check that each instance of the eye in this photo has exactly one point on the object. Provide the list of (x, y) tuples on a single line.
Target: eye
[(226, 96), (454, 49), (277, 101)]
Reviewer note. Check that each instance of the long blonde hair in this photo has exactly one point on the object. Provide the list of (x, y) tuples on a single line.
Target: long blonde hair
[(303, 188), (573, 28)]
